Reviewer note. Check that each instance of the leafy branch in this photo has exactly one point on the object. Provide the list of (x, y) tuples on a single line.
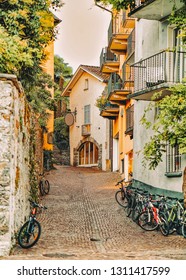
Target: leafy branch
[(169, 126)]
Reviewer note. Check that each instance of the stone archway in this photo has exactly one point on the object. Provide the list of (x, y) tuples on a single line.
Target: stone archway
[(94, 151)]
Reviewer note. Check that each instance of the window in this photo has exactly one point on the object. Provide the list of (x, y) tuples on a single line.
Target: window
[(87, 114), (88, 154), (86, 84), (173, 161)]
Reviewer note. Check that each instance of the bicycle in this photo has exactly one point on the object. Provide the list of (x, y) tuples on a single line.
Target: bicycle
[(121, 195), (150, 218), (176, 217), (44, 185), (30, 231), (137, 204)]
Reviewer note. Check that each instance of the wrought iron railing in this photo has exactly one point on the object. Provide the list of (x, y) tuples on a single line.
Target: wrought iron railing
[(131, 43), (106, 56), (114, 83), (129, 120), (139, 3), (127, 73), (116, 27), (164, 67)]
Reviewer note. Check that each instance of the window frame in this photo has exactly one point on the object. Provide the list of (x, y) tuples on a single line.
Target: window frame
[(173, 161), (86, 85), (87, 114)]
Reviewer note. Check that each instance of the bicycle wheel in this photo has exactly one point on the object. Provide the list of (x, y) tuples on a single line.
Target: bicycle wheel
[(146, 221), (136, 211), (130, 206), (184, 226), (46, 186), (164, 225), (121, 198), (41, 188), (29, 234)]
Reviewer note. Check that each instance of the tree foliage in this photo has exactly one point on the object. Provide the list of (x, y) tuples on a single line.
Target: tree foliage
[(169, 125), (62, 72), (178, 18), (26, 28)]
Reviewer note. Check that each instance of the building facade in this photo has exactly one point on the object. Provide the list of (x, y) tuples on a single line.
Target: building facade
[(89, 132), (115, 60), (160, 62)]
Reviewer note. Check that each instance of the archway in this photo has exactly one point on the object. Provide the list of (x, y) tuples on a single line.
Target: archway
[(88, 153)]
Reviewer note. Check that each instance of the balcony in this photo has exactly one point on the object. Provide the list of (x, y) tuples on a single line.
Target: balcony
[(130, 121), (86, 130), (108, 61), (131, 44), (127, 21), (154, 9), (116, 93), (128, 76), (117, 35), (110, 111), (158, 73)]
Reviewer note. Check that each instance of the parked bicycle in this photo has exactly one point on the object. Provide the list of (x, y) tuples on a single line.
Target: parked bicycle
[(122, 195), (151, 219), (30, 232), (176, 217), (152, 212), (44, 185)]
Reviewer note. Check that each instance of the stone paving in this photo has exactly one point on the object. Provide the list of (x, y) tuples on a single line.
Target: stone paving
[(84, 222)]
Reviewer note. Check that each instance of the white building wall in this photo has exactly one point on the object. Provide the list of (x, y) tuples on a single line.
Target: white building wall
[(155, 178), (78, 99), (151, 37)]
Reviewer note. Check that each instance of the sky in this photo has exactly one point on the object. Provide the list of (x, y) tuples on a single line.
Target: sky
[(82, 32)]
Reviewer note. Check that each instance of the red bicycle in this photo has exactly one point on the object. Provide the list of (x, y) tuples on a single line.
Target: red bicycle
[(150, 218)]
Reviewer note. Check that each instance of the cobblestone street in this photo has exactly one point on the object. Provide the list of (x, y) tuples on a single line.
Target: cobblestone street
[(83, 221)]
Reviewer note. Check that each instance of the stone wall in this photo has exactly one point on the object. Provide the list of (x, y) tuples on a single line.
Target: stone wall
[(16, 126)]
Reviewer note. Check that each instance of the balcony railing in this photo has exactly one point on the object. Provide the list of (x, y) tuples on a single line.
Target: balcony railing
[(118, 34), (154, 9), (127, 22), (114, 83), (107, 55), (108, 61), (127, 76), (86, 130), (131, 43), (162, 68), (110, 111), (116, 26), (129, 120)]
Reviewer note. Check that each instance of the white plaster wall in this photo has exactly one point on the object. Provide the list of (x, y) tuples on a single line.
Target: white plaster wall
[(151, 37), (78, 99), (155, 178), (147, 38)]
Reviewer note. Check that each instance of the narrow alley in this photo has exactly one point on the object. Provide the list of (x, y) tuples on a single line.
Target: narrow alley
[(83, 221)]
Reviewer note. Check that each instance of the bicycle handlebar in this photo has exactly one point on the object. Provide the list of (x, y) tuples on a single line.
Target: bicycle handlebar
[(37, 205)]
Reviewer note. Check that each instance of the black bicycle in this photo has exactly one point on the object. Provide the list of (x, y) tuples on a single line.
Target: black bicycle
[(44, 185), (121, 195), (30, 232)]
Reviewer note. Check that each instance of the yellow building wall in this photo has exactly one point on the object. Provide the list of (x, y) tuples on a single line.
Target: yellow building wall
[(48, 67)]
